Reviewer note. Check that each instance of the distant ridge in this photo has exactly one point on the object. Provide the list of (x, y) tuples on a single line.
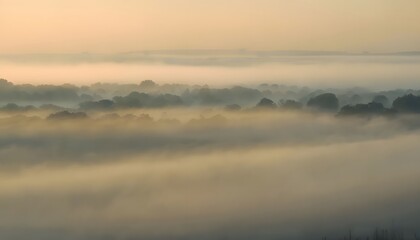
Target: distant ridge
[(190, 56), (409, 53), (236, 52), (217, 52)]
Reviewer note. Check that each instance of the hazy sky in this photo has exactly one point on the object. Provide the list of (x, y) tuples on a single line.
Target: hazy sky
[(29, 26)]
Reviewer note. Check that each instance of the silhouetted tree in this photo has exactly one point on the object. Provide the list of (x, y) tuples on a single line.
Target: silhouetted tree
[(4, 83), (148, 84), (12, 107), (381, 99), (369, 109), (50, 107), (99, 105), (290, 105), (266, 103), (132, 100), (66, 115), (407, 104), (324, 102), (165, 100), (144, 100)]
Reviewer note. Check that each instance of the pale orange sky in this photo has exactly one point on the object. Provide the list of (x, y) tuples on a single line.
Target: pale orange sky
[(52, 26)]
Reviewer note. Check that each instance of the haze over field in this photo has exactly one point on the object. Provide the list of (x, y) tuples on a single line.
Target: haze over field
[(250, 175), (300, 42), (222, 119), (173, 161), (219, 68)]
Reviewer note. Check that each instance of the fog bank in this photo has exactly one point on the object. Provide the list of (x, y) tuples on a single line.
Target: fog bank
[(249, 175), (375, 72)]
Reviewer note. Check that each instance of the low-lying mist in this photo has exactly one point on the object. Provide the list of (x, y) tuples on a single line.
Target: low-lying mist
[(378, 72), (204, 173)]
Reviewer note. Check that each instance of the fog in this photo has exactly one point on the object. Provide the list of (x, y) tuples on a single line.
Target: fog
[(209, 120), (219, 68), (207, 174), (311, 146)]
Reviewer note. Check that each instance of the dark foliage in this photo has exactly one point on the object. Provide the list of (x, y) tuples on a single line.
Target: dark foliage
[(381, 99), (324, 102), (148, 84), (16, 93), (407, 104), (13, 107), (290, 105), (144, 100), (97, 105), (206, 96), (266, 103), (369, 109), (66, 115)]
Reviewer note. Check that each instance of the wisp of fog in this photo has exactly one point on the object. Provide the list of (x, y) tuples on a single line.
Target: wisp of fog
[(247, 175)]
